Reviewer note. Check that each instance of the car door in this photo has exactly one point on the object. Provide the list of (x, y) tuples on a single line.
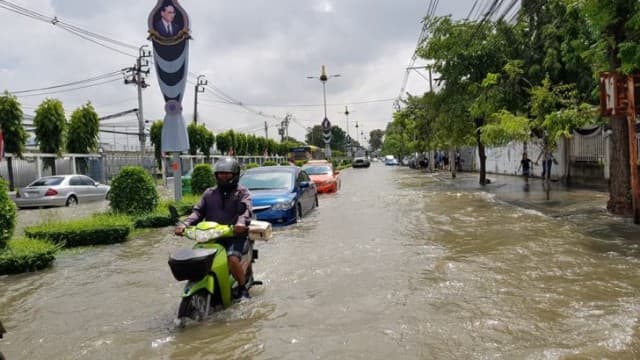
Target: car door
[(306, 194), (92, 192), (78, 187)]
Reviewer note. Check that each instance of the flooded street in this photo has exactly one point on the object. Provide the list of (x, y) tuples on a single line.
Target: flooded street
[(398, 264)]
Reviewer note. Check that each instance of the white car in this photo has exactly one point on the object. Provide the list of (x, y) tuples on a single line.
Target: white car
[(61, 190)]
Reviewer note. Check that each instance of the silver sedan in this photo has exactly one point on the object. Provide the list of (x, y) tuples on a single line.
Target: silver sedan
[(61, 190)]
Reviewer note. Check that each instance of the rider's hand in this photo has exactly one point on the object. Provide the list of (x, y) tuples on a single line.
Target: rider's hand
[(239, 229), (179, 230)]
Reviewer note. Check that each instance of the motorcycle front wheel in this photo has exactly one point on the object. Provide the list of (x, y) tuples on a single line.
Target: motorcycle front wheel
[(195, 306)]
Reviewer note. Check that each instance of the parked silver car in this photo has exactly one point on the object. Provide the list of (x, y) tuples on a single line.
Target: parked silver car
[(61, 190)]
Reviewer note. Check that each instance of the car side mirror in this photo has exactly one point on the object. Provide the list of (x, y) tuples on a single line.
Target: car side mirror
[(336, 172), (304, 184)]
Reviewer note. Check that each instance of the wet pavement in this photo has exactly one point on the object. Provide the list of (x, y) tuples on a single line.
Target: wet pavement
[(398, 264)]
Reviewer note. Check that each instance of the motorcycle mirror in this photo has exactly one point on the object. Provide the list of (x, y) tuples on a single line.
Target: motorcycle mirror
[(174, 213)]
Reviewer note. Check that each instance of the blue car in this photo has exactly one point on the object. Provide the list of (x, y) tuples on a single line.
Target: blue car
[(281, 195)]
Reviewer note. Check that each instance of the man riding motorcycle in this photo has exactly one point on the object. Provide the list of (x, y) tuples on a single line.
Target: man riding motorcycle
[(229, 204)]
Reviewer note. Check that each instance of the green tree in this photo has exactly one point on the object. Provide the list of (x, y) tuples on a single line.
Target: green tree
[(464, 52), (83, 133), (208, 140), (315, 136), (224, 142), (200, 139), (617, 25), (202, 178), (14, 135), (155, 136), (195, 140), (7, 216), (51, 125), (375, 139)]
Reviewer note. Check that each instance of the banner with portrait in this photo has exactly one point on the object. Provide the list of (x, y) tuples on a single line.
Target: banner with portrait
[(169, 31)]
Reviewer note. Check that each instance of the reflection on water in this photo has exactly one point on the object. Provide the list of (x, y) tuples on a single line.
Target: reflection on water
[(398, 264)]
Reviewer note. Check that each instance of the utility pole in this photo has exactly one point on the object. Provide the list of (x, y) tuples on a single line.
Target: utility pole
[(136, 75), (199, 88), (286, 127), (266, 131), (283, 131), (348, 147)]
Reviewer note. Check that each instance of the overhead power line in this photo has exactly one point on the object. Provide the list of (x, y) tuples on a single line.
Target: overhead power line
[(70, 89), (95, 38), (73, 83)]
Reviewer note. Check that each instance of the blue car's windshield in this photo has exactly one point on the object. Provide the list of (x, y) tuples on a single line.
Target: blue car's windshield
[(317, 170), (266, 180)]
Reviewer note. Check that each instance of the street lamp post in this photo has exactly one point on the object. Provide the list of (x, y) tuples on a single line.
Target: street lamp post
[(357, 136), (326, 125)]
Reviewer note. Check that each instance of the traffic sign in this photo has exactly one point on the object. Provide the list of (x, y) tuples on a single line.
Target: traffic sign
[(326, 124)]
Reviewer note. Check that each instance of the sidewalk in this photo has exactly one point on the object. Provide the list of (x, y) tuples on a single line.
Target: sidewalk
[(563, 201)]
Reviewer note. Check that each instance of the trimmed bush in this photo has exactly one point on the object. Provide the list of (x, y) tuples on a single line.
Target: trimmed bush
[(184, 206), (133, 192), (202, 178), (23, 255), (7, 215), (269, 163), (156, 219), (251, 166), (96, 230), (300, 163)]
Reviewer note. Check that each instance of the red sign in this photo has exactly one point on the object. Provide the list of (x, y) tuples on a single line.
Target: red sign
[(613, 94)]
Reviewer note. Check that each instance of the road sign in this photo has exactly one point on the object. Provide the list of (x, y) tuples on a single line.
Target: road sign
[(326, 124)]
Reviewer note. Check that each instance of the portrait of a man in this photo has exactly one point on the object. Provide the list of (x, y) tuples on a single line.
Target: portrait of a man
[(166, 26)]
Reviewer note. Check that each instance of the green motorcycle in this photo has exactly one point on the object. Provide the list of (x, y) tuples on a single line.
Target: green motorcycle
[(204, 266)]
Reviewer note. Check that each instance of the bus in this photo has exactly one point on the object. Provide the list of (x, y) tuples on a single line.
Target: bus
[(305, 152)]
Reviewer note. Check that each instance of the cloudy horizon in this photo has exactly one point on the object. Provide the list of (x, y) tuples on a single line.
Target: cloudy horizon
[(258, 53)]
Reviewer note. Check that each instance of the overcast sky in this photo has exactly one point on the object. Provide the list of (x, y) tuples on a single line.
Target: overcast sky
[(258, 52)]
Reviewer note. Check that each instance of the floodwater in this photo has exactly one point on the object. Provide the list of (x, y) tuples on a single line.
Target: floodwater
[(399, 264)]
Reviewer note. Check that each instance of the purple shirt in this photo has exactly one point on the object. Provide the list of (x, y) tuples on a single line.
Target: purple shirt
[(213, 206)]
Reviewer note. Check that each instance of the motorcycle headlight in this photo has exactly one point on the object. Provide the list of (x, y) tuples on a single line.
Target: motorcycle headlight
[(284, 205), (202, 235)]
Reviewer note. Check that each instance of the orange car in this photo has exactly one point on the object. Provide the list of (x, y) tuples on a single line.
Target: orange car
[(323, 175)]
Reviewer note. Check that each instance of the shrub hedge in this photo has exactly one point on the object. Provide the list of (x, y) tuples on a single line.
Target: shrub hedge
[(156, 219), (7, 215), (133, 191), (251, 166), (96, 230), (202, 178), (269, 163), (23, 255)]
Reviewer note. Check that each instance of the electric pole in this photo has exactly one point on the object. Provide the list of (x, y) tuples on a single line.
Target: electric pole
[(136, 75), (266, 131), (199, 88), (283, 131)]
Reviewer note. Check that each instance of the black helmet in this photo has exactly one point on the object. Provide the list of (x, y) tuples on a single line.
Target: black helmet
[(231, 165)]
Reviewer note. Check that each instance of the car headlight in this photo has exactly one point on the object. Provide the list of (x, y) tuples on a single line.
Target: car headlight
[(284, 205)]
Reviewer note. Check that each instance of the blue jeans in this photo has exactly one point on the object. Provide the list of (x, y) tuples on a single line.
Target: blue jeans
[(546, 168)]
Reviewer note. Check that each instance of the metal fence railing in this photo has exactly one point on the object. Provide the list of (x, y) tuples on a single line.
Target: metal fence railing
[(588, 148), (104, 166)]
